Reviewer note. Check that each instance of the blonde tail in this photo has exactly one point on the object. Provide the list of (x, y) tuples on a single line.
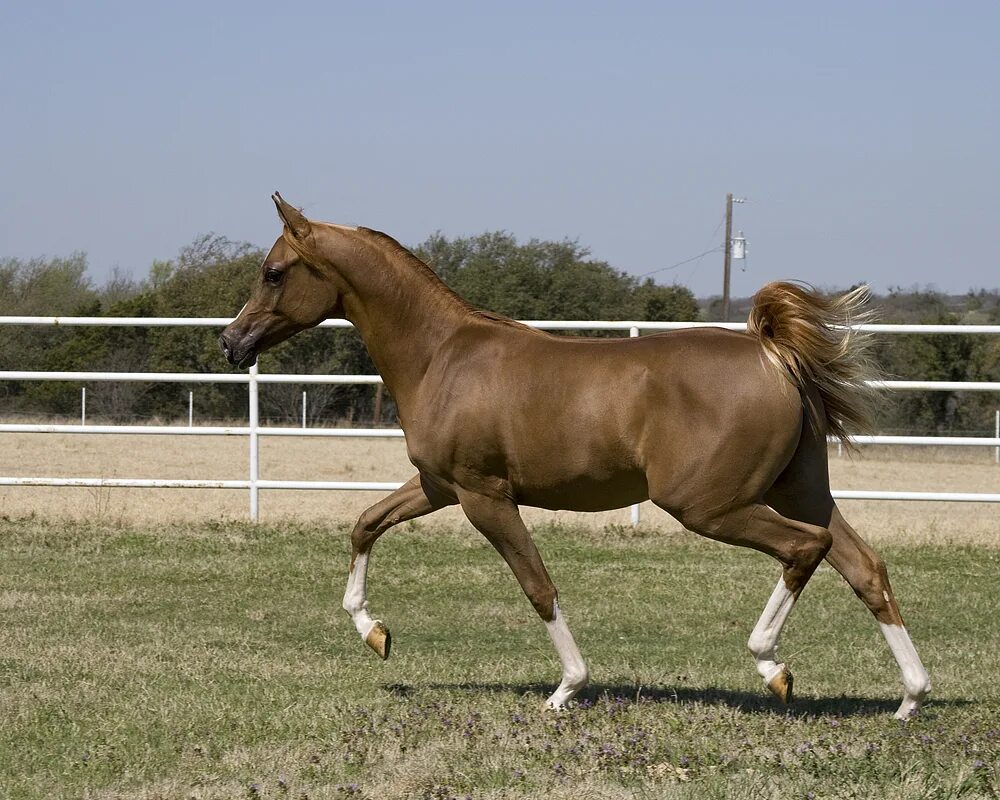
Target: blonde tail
[(808, 336)]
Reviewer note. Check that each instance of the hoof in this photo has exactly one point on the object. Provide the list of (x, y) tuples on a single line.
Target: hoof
[(379, 639), (910, 708), (781, 685)]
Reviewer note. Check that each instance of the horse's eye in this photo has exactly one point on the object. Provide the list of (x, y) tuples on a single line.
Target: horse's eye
[(272, 276)]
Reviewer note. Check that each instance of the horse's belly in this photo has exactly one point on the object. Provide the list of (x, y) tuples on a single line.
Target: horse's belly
[(584, 492)]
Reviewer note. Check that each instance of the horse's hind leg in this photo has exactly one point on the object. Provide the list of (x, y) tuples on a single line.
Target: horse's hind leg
[(411, 500), (866, 573), (798, 546)]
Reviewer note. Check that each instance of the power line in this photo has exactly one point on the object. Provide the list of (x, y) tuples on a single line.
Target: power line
[(680, 263), (722, 219), (718, 227)]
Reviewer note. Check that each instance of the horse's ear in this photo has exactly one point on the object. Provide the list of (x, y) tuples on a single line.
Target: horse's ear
[(292, 217)]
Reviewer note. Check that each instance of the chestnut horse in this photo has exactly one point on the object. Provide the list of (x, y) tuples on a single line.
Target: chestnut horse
[(725, 431)]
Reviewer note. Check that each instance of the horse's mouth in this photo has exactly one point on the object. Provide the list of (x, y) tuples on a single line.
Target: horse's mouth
[(248, 360)]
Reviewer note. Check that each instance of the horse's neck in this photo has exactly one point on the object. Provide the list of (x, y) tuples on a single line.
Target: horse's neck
[(403, 314)]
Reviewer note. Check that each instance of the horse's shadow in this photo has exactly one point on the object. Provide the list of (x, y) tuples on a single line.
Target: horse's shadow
[(746, 702)]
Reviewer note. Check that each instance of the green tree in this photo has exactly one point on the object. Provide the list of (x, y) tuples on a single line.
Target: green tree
[(40, 287), (937, 357), (657, 303), (211, 277), (548, 280)]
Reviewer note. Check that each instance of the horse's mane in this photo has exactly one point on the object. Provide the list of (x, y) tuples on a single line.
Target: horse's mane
[(399, 253), (395, 250), (493, 316)]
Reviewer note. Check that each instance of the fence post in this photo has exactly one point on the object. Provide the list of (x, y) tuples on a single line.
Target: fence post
[(303, 409), (83, 405), (254, 442), (633, 332), (190, 409), (996, 432), (377, 412)]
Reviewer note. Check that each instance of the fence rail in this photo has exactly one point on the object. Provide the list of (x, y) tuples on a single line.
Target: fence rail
[(254, 483)]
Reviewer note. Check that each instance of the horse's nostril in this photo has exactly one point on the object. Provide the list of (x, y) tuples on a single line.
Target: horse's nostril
[(224, 346)]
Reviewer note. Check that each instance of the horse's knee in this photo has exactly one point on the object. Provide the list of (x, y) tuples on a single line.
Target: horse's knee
[(543, 599)]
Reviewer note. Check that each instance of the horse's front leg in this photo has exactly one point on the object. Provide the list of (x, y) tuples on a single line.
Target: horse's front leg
[(499, 520), (411, 500)]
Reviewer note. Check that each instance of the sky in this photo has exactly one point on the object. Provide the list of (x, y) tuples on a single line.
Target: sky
[(864, 135)]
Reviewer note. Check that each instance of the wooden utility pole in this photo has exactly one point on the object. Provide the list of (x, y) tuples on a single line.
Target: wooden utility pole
[(727, 261)]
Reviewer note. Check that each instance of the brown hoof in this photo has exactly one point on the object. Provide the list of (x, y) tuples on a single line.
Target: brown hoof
[(781, 685), (379, 639)]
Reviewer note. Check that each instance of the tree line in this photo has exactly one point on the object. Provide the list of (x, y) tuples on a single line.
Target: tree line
[(211, 277)]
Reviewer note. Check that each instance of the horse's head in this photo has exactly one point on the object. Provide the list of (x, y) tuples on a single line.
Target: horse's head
[(294, 290)]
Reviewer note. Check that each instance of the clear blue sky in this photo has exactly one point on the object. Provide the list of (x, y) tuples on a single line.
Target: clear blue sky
[(865, 135)]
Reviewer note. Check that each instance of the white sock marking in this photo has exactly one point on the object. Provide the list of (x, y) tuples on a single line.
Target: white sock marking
[(355, 597), (574, 670), (764, 639), (916, 682)]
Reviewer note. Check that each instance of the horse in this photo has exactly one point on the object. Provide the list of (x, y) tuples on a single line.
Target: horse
[(726, 431)]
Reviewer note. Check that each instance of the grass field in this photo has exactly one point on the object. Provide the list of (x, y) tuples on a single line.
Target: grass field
[(212, 661)]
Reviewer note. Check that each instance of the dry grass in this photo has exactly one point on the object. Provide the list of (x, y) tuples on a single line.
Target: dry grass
[(943, 469)]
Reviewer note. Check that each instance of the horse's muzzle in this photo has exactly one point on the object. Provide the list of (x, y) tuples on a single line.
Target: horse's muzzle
[(241, 354)]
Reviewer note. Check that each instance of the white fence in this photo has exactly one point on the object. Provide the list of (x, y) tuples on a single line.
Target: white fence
[(253, 431)]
